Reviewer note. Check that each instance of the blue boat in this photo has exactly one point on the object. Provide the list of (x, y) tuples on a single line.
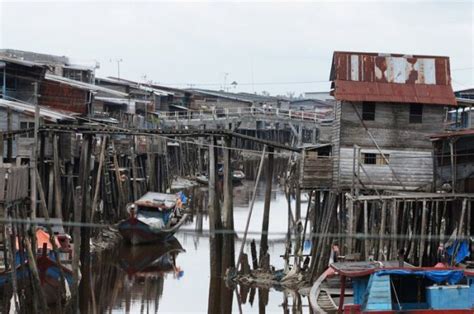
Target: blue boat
[(384, 287)]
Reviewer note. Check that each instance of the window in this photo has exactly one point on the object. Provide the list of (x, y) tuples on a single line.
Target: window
[(27, 125), (375, 159), (368, 111), (370, 159), (416, 113), (11, 82)]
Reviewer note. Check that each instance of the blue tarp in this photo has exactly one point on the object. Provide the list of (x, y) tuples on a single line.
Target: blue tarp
[(438, 276), (463, 250), (183, 197)]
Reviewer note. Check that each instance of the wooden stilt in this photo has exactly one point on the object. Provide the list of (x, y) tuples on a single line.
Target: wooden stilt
[(266, 208)]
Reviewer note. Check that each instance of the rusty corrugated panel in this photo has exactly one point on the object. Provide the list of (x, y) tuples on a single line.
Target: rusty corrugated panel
[(392, 78), (392, 92)]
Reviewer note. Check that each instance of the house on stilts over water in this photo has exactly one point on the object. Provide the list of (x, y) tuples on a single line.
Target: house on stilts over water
[(375, 177)]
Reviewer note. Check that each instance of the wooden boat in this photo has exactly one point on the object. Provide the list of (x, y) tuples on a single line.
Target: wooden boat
[(48, 268), (150, 260), (202, 179), (155, 217), (384, 287), (237, 177)]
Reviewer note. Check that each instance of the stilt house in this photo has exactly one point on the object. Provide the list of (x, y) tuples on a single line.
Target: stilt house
[(387, 106)]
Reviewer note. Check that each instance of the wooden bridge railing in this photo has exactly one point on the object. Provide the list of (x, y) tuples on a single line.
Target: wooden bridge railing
[(241, 112)]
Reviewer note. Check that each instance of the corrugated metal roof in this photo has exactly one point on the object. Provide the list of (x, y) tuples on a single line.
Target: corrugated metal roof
[(82, 85), (391, 78), (45, 113), (144, 87), (118, 101), (391, 92), (21, 62)]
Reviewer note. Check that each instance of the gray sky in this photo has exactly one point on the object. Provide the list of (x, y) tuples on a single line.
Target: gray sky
[(279, 46)]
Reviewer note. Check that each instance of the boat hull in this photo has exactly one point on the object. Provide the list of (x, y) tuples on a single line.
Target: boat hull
[(137, 232), (50, 278)]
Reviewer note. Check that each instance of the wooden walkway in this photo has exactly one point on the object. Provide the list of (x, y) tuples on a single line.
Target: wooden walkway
[(222, 117)]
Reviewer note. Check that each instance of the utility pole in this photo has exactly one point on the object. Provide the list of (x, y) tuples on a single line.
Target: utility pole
[(118, 65)]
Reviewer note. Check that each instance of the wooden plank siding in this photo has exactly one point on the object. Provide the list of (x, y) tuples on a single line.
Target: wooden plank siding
[(407, 144), (317, 171), (413, 168), (391, 128), (335, 140)]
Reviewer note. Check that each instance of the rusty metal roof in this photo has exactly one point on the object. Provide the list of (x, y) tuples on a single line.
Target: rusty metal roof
[(401, 78)]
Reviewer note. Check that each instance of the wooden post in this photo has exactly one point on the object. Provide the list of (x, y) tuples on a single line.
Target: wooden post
[(57, 179), (52, 237), (121, 197), (453, 166), (354, 170), (366, 230), (253, 251), (382, 231), (228, 209), (84, 174), (266, 208), (254, 195), (10, 258), (51, 190), (99, 176), (215, 240), (34, 156), (422, 233), (34, 272), (350, 225), (393, 230), (77, 246), (134, 172)]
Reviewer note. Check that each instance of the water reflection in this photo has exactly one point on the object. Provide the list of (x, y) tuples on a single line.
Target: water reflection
[(131, 279), (148, 279)]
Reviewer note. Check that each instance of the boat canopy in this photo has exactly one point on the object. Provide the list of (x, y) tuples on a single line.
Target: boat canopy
[(157, 200), (438, 276)]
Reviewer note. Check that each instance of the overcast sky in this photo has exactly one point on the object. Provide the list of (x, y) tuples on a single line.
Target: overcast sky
[(275, 47)]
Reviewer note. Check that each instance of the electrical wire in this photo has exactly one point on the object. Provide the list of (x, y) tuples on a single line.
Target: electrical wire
[(43, 222)]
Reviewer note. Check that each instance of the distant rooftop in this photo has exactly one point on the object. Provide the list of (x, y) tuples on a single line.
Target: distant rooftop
[(48, 59), (244, 97)]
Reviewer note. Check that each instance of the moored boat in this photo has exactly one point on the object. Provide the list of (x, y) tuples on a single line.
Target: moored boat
[(237, 177), (49, 270), (384, 287), (154, 217)]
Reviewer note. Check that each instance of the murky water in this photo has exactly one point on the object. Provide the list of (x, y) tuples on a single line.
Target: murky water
[(175, 278)]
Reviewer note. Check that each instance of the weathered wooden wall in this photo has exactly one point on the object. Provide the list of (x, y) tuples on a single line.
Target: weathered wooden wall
[(407, 144), (317, 171), (391, 128), (413, 168)]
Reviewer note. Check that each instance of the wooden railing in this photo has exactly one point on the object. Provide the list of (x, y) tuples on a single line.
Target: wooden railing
[(242, 112)]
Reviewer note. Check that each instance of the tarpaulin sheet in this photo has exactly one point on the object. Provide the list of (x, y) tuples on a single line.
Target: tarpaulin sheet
[(438, 276), (462, 250)]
